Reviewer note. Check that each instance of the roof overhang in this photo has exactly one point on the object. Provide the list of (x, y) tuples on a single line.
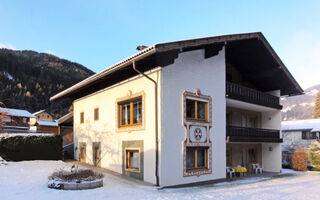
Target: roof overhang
[(163, 54)]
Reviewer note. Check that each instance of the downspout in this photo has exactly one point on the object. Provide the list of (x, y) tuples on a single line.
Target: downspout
[(156, 118)]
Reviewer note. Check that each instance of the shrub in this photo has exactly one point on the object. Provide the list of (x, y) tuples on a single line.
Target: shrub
[(18, 147), (299, 159), (75, 175), (314, 155)]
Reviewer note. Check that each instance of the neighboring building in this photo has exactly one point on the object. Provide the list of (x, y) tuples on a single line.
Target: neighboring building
[(178, 113), (298, 133), (66, 130), (47, 126), (16, 119), (45, 122), (42, 115)]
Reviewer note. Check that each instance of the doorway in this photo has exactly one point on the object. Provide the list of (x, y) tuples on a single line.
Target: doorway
[(82, 152), (96, 150)]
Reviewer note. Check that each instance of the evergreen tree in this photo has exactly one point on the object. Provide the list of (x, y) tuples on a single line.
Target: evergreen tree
[(314, 155), (316, 109)]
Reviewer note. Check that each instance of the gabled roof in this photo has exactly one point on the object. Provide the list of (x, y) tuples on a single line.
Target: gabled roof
[(40, 111), (163, 54), (312, 125), (17, 112)]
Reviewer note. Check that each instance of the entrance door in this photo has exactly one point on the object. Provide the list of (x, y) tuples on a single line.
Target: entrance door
[(82, 152), (96, 150)]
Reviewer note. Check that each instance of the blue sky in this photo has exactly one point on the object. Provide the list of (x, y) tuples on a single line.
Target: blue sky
[(98, 34)]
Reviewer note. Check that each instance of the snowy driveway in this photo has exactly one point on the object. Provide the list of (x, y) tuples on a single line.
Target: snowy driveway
[(27, 181)]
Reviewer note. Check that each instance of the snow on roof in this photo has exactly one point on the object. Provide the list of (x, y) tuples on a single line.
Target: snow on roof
[(307, 124), (40, 111), (46, 123), (17, 112)]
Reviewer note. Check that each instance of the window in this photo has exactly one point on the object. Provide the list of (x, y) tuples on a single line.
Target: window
[(249, 121), (197, 158), (81, 117), (39, 117), (96, 114), (24, 120), (47, 116), (130, 112), (197, 110), (228, 119), (307, 135), (133, 160)]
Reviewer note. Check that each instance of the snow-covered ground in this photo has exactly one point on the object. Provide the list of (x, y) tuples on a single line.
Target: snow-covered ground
[(28, 181)]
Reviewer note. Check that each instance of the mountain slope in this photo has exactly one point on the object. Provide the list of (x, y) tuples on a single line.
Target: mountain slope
[(300, 107), (28, 79)]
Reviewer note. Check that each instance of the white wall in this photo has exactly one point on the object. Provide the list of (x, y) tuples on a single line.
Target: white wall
[(271, 120), (104, 130), (271, 152), (271, 157), (191, 71)]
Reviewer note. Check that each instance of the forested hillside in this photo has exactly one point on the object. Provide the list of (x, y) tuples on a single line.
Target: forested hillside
[(28, 79)]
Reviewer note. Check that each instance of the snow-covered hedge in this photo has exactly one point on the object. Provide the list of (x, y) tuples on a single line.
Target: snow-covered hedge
[(18, 147)]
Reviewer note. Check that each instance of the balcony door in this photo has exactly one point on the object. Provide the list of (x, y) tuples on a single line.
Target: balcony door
[(249, 121), (249, 156)]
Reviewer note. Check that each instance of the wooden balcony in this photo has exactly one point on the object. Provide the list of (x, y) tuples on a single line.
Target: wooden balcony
[(241, 93), (244, 134)]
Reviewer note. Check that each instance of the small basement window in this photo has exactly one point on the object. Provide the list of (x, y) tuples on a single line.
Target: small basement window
[(133, 160), (130, 112), (81, 117), (197, 110), (197, 158)]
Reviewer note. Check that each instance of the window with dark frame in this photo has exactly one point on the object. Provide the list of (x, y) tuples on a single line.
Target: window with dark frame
[(133, 160), (197, 158), (130, 112), (307, 135), (197, 110), (81, 117), (96, 114)]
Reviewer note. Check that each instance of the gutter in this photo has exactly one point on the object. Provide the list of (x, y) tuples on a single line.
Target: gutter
[(156, 119)]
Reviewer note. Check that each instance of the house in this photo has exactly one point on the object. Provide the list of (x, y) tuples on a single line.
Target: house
[(47, 126), (43, 115), (178, 113), (66, 130), (45, 122), (16, 119), (298, 133)]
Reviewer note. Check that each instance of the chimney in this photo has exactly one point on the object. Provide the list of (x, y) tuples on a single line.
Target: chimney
[(141, 47)]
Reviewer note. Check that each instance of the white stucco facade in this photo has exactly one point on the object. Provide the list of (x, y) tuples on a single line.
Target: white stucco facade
[(189, 71), (105, 131)]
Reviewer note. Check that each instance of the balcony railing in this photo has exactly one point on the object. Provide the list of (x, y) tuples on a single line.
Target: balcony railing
[(241, 93), (244, 134)]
